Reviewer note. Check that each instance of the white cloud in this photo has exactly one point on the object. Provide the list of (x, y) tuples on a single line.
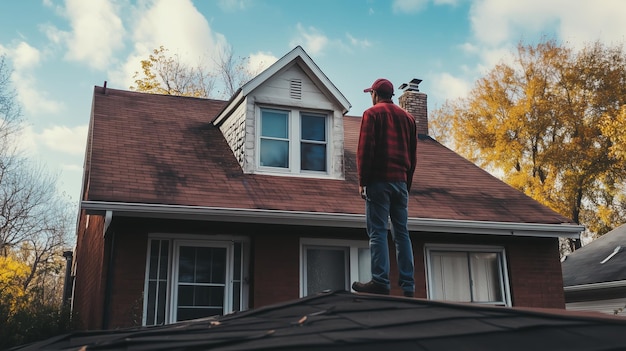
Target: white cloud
[(260, 61), (362, 43), (310, 39), (408, 6), (577, 22), (446, 86), (177, 26), (96, 32), (25, 59), (64, 139), (233, 5)]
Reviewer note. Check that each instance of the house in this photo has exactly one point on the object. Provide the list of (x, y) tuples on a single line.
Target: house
[(339, 320), (594, 276), (197, 207)]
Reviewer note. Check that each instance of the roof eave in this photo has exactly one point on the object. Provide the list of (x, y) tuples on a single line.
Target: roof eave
[(595, 286), (324, 219), (229, 108)]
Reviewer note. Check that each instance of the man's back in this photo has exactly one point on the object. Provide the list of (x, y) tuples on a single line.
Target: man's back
[(387, 144)]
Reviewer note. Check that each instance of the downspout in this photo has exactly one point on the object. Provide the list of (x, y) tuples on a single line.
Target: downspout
[(68, 283), (106, 308)]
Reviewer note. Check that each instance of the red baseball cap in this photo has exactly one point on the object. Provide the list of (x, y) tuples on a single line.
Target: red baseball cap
[(381, 85)]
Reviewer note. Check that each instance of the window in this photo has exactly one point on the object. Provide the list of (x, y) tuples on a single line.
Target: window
[(467, 274), (293, 141), (332, 264), (189, 279)]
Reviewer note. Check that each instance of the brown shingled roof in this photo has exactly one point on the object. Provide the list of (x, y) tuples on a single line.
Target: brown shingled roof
[(159, 149)]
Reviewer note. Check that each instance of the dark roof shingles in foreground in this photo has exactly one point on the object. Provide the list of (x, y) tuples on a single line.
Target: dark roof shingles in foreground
[(347, 321), (160, 149)]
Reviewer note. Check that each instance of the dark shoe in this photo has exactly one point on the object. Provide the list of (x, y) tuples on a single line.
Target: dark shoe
[(409, 294), (370, 287)]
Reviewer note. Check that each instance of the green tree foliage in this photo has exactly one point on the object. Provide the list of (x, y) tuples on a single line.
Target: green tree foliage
[(168, 75), (551, 122)]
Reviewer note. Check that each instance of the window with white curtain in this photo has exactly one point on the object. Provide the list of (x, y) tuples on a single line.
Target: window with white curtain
[(475, 274), (328, 264)]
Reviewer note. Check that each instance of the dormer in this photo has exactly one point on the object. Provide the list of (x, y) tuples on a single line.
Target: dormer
[(287, 121)]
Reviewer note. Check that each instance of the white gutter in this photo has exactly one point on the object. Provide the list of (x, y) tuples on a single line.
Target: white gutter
[(325, 219), (594, 286)]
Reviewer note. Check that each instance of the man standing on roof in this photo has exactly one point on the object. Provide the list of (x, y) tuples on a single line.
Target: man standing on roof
[(386, 157)]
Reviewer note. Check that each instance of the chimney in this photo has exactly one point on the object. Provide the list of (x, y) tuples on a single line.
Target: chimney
[(414, 103)]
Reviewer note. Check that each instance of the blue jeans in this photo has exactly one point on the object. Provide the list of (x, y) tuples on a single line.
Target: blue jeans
[(385, 200)]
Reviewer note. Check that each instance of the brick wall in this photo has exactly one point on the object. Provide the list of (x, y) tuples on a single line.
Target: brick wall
[(128, 272), (275, 268), (533, 263), (88, 297), (535, 273)]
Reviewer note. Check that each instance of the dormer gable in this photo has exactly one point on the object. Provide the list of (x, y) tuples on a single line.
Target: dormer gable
[(288, 120)]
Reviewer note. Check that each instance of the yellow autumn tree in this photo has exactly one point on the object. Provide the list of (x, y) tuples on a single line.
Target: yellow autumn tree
[(163, 73), (538, 121), (13, 274)]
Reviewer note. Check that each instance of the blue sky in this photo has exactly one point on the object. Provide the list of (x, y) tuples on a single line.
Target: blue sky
[(60, 49)]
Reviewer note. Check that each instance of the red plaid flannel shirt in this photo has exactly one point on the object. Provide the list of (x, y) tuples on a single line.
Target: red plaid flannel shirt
[(387, 145)]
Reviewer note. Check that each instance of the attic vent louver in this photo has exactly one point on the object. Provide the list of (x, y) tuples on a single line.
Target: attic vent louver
[(295, 89)]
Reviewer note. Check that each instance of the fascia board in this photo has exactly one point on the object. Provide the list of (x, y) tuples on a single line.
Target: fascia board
[(596, 286), (230, 108), (324, 219)]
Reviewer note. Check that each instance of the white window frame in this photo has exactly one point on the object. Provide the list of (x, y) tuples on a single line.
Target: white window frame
[(429, 248), (295, 141), (225, 241), (353, 247)]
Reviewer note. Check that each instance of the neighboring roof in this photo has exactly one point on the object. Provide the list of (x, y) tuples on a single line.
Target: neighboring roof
[(348, 321), (162, 152), (585, 265)]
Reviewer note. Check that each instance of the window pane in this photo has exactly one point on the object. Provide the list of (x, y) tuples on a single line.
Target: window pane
[(325, 269), (202, 281), (185, 295), (486, 279), (161, 303), (210, 266), (154, 259), (313, 127), (152, 292), (274, 124), (163, 259), (313, 157), (450, 276), (185, 314), (365, 265), (157, 282), (186, 264), (211, 296), (274, 153), (237, 277)]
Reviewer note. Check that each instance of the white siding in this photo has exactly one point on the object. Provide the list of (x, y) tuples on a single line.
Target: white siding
[(604, 306), (275, 92)]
